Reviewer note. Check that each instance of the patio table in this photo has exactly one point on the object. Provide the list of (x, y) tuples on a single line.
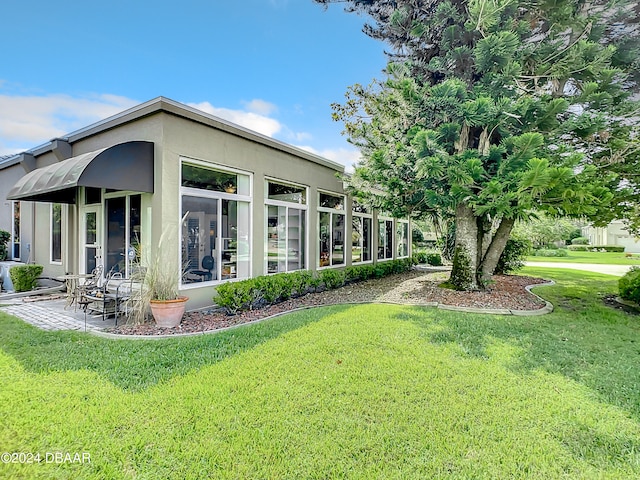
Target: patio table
[(72, 282)]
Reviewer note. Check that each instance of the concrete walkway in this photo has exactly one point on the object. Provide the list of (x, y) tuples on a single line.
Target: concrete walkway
[(618, 270), (53, 315)]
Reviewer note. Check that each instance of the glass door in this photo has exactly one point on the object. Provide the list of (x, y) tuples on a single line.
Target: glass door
[(91, 239), (122, 233)]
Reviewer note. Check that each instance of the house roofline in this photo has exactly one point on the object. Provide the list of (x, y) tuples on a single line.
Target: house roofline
[(163, 104)]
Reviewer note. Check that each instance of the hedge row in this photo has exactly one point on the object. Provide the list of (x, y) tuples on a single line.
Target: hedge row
[(596, 248), (269, 289), (543, 252)]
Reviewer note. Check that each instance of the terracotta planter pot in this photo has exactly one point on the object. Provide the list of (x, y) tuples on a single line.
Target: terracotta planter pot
[(168, 313)]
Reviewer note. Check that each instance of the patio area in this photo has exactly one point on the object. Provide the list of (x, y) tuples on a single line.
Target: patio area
[(50, 312)]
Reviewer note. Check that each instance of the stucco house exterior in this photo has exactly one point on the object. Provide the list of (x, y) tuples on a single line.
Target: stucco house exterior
[(613, 234), (237, 204)]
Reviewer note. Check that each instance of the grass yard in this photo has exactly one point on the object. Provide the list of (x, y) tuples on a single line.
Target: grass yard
[(368, 391), (603, 258)]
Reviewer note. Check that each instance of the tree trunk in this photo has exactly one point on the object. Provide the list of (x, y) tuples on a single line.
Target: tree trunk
[(463, 142), (466, 253), (496, 247)]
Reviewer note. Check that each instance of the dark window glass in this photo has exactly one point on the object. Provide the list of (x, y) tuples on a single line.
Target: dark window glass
[(287, 193), (331, 201), (205, 179), (92, 195)]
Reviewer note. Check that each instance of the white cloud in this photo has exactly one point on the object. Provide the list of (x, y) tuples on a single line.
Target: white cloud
[(344, 156), (253, 121), (28, 121), (260, 107)]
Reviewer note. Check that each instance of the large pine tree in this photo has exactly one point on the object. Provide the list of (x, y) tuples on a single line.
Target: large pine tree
[(492, 109)]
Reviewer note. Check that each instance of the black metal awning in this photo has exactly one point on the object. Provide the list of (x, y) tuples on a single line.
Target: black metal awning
[(127, 166)]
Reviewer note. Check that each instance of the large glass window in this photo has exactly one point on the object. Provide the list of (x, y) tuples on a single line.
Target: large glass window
[(402, 238), (385, 239), (361, 233), (331, 230), (56, 233), (15, 232), (285, 245), (360, 239), (215, 243)]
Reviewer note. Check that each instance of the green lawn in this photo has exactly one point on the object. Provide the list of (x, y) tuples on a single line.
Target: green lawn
[(370, 391), (606, 258)]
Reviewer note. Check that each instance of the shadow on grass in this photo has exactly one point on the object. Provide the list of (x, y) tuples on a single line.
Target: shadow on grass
[(137, 364), (583, 339)]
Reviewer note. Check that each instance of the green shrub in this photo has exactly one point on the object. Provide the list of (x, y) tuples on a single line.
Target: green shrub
[(629, 285), (236, 296), (545, 252), (25, 277), (434, 259), (608, 248), (332, 278), (4, 239), (353, 274), (301, 282), (512, 258), (596, 248), (580, 241), (420, 257)]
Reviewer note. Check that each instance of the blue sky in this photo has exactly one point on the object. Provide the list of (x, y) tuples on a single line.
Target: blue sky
[(271, 65)]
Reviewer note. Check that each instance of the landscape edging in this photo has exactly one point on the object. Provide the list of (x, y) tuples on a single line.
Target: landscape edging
[(548, 308)]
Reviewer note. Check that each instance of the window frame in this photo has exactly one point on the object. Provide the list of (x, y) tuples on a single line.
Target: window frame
[(400, 222), (331, 212), (15, 243), (219, 196), (362, 215), (269, 202), (393, 236), (53, 261)]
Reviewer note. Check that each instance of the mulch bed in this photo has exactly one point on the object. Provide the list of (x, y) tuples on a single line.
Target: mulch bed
[(415, 287)]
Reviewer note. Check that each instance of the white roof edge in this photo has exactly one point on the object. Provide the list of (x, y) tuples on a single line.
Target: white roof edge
[(159, 104)]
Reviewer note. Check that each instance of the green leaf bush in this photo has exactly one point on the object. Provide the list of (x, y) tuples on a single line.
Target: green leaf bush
[(434, 259), (629, 285), (513, 255), (596, 248), (547, 252), (25, 277), (270, 289)]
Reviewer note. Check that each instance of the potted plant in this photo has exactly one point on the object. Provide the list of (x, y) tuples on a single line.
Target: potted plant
[(159, 285)]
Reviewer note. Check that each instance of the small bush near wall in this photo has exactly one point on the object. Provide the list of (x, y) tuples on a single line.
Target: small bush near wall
[(629, 285), (25, 277), (269, 289)]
